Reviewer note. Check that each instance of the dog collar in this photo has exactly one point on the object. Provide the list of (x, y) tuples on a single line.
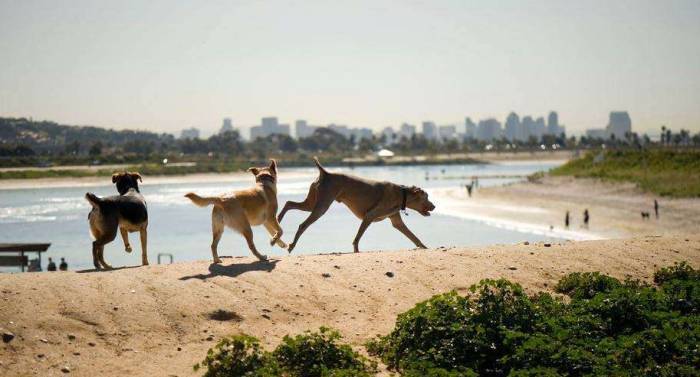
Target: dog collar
[(404, 195), (268, 178)]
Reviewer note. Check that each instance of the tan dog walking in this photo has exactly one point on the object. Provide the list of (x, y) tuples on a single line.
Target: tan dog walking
[(245, 208), (371, 201)]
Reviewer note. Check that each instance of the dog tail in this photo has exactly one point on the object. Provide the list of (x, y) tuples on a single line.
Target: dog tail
[(203, 201), (93, 199), (319, 166)]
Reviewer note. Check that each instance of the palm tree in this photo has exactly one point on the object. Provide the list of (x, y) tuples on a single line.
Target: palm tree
[(663, 134)]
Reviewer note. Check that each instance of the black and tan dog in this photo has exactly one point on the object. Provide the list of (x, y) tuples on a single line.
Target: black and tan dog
[(125, 212), (370, 201), (244, 208)]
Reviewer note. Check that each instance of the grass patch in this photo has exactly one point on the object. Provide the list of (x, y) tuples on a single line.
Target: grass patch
[(665, 172)]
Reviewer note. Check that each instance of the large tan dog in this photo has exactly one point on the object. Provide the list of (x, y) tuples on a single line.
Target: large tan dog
[(254, 206), (370, 201)]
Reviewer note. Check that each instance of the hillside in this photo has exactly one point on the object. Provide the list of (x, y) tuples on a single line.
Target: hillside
[(160, 320)]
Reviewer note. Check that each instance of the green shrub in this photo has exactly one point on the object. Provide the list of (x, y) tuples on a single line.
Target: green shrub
[(608, 328), (313, 354), (581, 285), (239, 355)]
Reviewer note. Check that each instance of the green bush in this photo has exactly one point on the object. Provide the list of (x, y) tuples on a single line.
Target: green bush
[(316, 354), (239, 355), (580, 285), (608, 328), (312, 354)]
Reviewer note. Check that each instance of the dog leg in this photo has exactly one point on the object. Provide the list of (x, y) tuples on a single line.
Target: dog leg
[(95, 255), (307, 205), (363, 227), (144, 252), (125, 238), (398, 223), (248, 234), (217, 229), (320, 208), (101, 255), (275, 230)]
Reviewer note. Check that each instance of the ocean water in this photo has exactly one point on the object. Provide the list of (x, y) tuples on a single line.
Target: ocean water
[(59, 215)]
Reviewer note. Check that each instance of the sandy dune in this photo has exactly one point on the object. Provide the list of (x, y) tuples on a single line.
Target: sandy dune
[(160, 320)]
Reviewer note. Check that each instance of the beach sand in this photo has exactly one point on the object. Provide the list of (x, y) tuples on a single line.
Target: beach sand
[(615, 208), (160, 320)]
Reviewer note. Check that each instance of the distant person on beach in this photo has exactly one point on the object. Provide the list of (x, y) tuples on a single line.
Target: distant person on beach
[(63, 266), (469, 189), (656, 208), (567, 220), (586, 218), (52, 265)]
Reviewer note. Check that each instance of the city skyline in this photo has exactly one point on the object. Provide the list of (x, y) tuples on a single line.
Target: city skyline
[(374, 64)]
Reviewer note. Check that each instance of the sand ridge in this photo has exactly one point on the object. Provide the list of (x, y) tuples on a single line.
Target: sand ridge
[(161, 319)]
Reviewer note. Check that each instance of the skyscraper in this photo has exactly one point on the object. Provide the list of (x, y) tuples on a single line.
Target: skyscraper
[(268, 127), (469, 128), (488, 129), (429, 130), (619, 125), (226, 126), (302, 129), (553, 124), (512, 131)]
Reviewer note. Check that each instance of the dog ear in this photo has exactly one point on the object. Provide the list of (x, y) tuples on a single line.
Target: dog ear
[(136, 175), (115, 177), (273, 166), (254, 170)]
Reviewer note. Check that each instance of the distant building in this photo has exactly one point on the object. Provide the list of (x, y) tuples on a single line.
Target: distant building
[(341, 129), (469, 128), (527, 128), (553, 123), (227, 126), (448, 132), (302, 129), (389, 134), (619, 125), (513, 130), (488, 129), (407, 130), (189, 133), (268, 127), (429, 130)]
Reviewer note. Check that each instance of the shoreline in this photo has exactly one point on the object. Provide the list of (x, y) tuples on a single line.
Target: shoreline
[(157, 320), (540, 207)]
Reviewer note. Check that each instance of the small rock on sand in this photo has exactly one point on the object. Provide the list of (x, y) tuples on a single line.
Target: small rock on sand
[(389, 274), (513, 268), (65, 369), (71, 337), (547, 245), (526, 243), (326, 275)]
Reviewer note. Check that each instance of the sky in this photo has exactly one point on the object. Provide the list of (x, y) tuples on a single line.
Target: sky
[(168, 65)]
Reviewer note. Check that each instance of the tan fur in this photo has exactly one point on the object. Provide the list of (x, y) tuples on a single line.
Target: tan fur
[(371, 201), (246, 208)]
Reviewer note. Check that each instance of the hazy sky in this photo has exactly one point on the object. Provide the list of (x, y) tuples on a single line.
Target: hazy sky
[(167, 65)]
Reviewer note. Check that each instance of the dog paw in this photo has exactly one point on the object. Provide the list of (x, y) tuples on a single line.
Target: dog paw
[(290, 248), (127, 248), (262, 258), (144, 263), (217, 261)]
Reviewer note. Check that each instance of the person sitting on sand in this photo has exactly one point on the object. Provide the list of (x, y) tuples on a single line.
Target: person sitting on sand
[(63, 266), (52, 265)]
